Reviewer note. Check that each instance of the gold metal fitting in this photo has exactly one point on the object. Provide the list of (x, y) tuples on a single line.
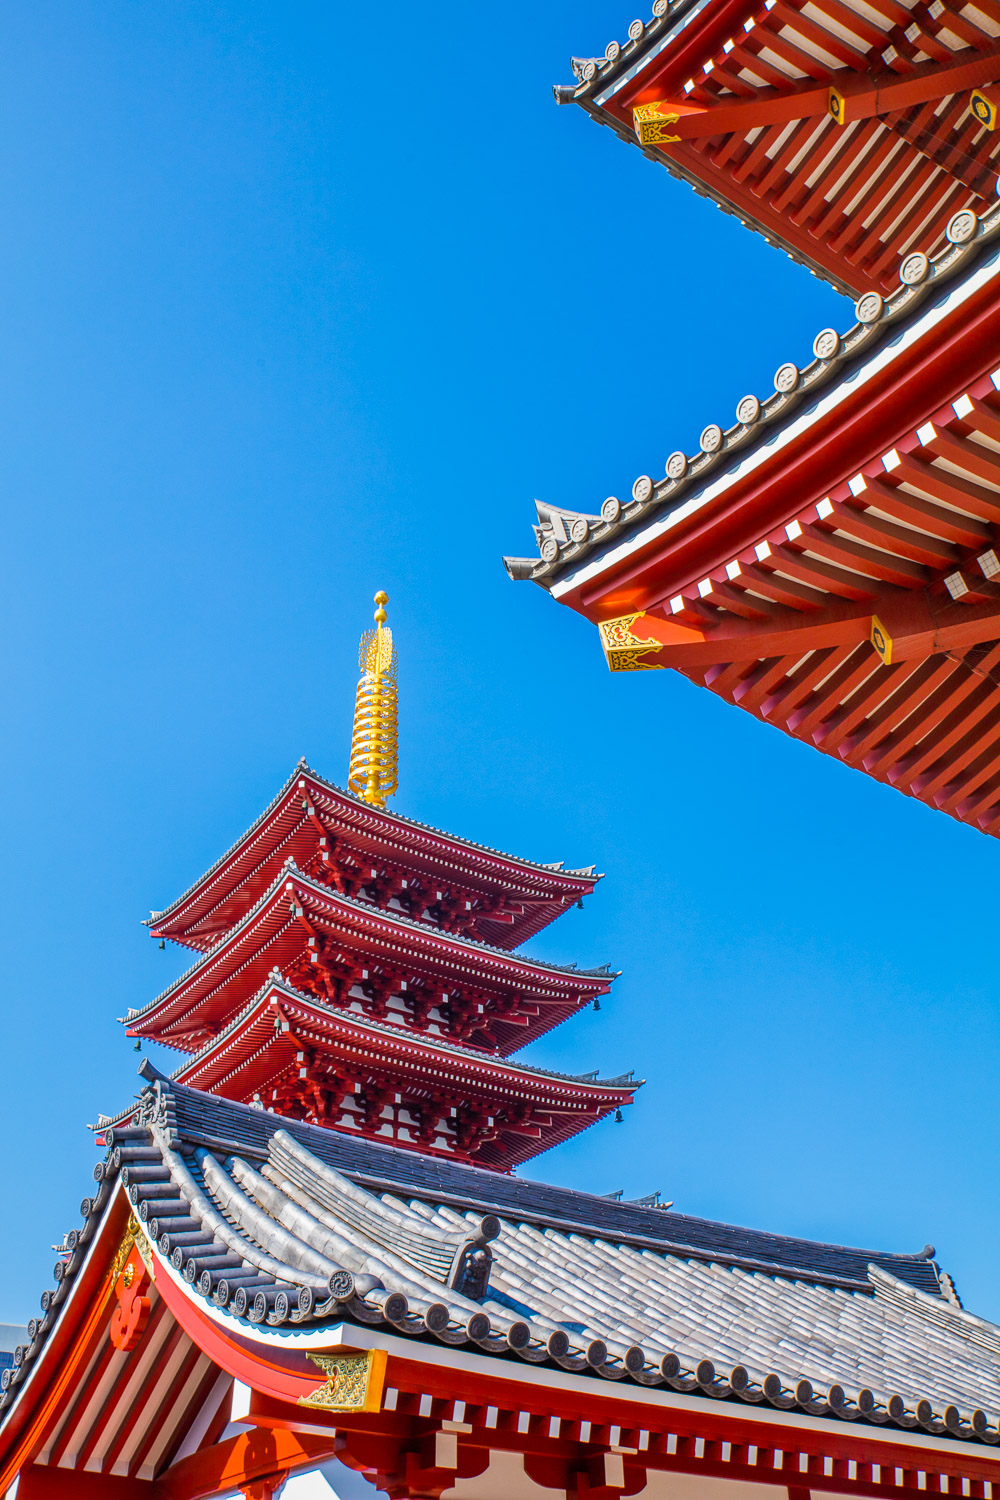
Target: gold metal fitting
[(372, 775)]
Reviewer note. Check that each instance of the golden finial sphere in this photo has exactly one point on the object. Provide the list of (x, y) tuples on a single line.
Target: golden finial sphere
[(381, 599)]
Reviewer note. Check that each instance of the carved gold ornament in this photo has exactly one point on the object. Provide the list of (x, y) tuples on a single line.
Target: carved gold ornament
[(652, 124), (354, 1382), (133, 1236), (626, 651), (130, 1282)]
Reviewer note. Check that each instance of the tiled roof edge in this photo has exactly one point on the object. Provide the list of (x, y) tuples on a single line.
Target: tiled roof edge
[(693, 1376), (877, 319)]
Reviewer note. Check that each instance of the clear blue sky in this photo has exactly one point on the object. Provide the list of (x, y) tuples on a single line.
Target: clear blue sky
[(298, 302)]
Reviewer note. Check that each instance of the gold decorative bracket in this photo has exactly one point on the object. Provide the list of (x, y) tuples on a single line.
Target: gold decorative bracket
[(354, 1382), (984, 106), (836, 106), (133, 1236), (881, 640), (626, 651), (652, 123)]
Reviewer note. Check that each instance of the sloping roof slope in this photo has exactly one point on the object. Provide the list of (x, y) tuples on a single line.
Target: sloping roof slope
[(318, 1227)]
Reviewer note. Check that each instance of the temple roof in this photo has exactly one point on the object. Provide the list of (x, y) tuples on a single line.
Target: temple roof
[(847, 186), (535, 894), (214, 989), (339, 1229), (531, 1109)]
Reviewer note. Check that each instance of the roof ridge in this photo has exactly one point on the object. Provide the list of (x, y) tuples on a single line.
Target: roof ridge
[(398, 1169)]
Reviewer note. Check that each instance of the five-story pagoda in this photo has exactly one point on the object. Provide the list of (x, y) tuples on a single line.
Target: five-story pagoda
[(358, 970)]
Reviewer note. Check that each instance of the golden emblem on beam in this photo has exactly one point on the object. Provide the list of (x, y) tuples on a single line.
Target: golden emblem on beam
[(836, 106), (354, 1382), (652, 123), (881, 640), (133, 1236), (626, 651), (984, 105)]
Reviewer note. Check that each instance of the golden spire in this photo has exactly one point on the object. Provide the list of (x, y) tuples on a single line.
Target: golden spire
[(374, 747)]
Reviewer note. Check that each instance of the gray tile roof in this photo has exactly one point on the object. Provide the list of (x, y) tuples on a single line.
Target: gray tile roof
[(286, 1223)]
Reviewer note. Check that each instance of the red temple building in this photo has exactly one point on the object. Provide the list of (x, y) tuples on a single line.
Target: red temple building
[(828, 560), (306, 1256), (306, 1253)]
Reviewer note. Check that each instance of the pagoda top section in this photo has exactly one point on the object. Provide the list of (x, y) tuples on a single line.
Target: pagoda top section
[(849, 132), (370, 854)]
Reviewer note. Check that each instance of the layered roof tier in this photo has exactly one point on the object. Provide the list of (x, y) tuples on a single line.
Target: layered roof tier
[(830, 561), (379, 963), (850, 132), (355, 971), (292, 1054), (373, 855)]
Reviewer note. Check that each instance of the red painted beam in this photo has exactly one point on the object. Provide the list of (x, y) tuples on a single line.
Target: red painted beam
[(861, 97), (237, 1462), (39, 1482)]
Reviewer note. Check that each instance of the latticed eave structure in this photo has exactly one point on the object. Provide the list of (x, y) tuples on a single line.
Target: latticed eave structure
[(847, 133), (289, 1053), (379, 856), (829, 561), (350, 954)]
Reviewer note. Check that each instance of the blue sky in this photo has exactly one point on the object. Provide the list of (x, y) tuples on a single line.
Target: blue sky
[(301, 302)]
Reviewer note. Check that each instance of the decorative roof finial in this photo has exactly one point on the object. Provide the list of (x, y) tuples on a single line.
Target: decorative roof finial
[(374, 746)]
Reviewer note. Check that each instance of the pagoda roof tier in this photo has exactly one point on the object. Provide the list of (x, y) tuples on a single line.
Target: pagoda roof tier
[(290, 1054), (832, 564), (373, 854), (351, 954), (840, 129)]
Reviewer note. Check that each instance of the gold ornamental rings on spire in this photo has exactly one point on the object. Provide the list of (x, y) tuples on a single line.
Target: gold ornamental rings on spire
[(374, 746)]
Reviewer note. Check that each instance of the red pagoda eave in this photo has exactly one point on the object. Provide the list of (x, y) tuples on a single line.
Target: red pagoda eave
[(864, 620), (532, 895), (328, 934), (944, 354), (290, 1054), (753, 124)]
